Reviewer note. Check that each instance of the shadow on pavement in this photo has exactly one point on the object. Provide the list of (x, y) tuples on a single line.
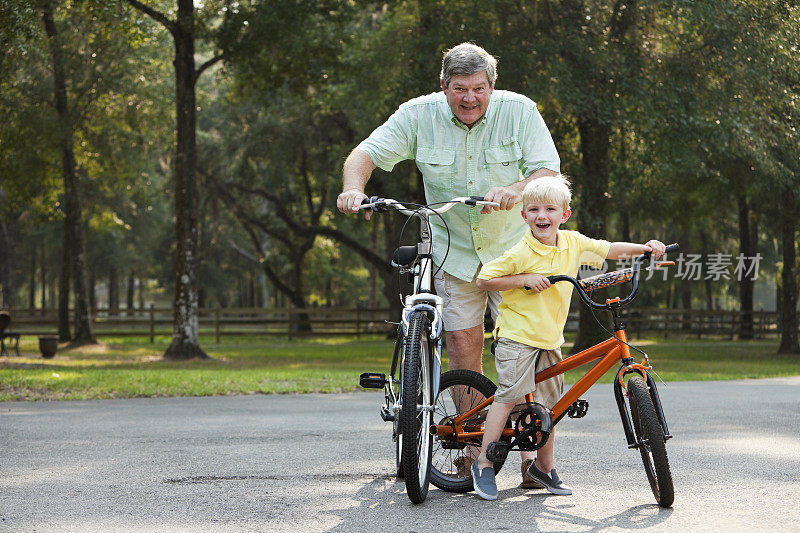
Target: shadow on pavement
[(382, 504)]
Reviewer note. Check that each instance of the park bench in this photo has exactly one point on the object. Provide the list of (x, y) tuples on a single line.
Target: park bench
[(5, 320)]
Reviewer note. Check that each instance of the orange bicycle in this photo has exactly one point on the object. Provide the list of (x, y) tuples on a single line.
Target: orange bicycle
[(464, 397)]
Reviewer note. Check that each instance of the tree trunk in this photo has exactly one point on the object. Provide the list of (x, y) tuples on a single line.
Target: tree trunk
[(8, 238), (185, 339), (75, 238), (64, 333), (32, 288), (43, 278), (686, 286), (131, 289), (788, 300), (113, 291), (141, 293), (300, 321), (373, 269), (592, 188), (747, 249), (706, 282)]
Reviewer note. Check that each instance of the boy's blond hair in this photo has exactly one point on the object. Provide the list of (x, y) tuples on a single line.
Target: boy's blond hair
[(548, 189)]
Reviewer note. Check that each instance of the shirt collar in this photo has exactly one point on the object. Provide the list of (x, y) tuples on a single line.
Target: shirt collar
[(543, 249), (454, 119)]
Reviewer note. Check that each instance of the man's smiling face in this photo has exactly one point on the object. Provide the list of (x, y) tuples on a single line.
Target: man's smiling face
[(468, 96)]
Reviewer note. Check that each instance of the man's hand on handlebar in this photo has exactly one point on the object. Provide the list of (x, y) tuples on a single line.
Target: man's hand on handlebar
[(350, 200), (507, 197)]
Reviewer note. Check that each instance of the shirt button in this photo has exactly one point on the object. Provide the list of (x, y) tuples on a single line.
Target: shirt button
[(479, 248), (469, 157), (470, 183), (475, 229)]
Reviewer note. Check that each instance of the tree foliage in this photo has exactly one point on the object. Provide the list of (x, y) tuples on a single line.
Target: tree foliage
[(675, 119)]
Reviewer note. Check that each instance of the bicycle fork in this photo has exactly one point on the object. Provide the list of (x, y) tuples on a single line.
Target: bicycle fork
[(393, 403), (627, 423)]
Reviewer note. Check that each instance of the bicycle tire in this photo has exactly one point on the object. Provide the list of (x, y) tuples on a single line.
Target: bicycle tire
[(445, 461), (417, 390), (650, 436)]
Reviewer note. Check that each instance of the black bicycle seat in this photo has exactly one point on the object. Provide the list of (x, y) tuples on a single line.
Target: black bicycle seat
[(404, 256)]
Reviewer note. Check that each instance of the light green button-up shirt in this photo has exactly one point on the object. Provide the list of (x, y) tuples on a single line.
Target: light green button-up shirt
[(508, 144)]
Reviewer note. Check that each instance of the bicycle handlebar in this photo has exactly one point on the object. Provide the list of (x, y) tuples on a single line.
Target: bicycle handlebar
[(608, 279), (380, 205)]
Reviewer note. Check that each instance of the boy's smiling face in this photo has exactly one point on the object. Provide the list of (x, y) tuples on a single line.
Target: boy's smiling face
[(544, 218)]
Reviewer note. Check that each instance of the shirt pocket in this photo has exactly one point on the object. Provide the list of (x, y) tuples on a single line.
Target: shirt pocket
[(437, 166), (502, 162)]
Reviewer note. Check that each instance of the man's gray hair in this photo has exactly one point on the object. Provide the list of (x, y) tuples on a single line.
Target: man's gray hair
[(466, 59)]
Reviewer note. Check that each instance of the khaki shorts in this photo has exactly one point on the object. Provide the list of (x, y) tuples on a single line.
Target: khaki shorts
[(517, 365), (464, 303)]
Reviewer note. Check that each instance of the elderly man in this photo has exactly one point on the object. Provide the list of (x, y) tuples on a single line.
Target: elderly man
[(466, 140)]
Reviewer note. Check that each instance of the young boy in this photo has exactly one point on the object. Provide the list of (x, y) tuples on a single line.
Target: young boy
[(531, 323)]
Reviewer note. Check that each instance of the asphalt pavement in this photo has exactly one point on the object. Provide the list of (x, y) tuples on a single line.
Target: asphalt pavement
[(324, 462)]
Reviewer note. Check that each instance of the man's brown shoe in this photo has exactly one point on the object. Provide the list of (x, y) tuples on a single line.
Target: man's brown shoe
[(529, 482), (463, 466)]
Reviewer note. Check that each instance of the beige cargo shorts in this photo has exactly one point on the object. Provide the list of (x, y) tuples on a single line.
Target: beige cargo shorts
[(517, 365), (464, 304)]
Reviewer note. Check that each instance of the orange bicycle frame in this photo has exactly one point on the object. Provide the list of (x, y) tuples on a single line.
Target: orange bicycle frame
[(609, 352)]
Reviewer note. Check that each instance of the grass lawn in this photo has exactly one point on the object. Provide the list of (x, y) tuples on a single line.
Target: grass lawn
[(132, 367)]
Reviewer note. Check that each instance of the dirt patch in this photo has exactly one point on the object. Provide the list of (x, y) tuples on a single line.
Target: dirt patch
[(98, 348)]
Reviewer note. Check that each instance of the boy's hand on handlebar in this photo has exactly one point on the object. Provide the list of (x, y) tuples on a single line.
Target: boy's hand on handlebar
[(535, 282), (350, 200), (656, 248), (505, 196)]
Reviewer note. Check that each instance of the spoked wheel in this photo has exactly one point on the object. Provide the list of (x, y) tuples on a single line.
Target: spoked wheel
[(652, 446), (459, 392), (398, 451), (415, 414)]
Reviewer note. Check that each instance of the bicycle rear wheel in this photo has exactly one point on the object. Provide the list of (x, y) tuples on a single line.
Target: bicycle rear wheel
[(652, 445), (415, 413), (459, 391)]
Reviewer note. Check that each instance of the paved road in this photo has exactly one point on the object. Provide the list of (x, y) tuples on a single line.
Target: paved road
[(322, 463)]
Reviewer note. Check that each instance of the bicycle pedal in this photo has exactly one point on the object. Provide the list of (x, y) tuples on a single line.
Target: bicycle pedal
[(386, 414), (373, 380), (578, 409), (497, 451)]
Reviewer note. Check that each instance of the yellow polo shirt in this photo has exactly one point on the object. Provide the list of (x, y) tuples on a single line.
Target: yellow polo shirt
[(538, 319)]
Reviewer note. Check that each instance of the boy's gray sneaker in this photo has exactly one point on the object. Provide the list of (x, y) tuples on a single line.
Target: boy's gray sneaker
[(550, 481), (483, 482)]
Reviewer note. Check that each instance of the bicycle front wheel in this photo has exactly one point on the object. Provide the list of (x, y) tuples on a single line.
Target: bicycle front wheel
[(415, 413), (398, 453), (652, 445)]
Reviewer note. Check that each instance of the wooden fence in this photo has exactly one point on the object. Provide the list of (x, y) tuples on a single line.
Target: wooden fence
[(321, 321), (157, 321)]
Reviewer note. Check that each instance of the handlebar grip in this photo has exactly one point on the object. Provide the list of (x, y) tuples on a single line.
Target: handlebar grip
[(672, 248), (553, 279), (379, 204), (473, 200)]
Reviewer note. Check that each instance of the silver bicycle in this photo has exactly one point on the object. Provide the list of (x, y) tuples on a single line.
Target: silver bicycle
[(413, 383)]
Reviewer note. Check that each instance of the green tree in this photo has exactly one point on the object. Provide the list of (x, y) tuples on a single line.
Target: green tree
[(185, 28)]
